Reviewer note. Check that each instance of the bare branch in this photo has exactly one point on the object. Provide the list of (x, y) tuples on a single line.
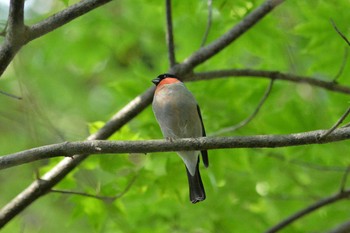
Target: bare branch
[(276, 75), (10, 95), (340, 33), (326, 201), (344, 179), (210, 13), (169, 34), (248, 119), (219, 44), (342, 66), (147, 146), (336, 125), (103, 198), (343, 228)]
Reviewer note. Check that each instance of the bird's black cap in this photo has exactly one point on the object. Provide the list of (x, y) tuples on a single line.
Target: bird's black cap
[(160, 77)]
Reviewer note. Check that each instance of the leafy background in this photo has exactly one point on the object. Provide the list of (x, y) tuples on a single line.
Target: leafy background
[(75, 78)]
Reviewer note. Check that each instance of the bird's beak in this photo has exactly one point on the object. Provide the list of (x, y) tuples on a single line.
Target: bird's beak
[(156, 81)]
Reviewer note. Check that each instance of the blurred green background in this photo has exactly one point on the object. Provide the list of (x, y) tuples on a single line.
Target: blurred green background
[(75, 78)]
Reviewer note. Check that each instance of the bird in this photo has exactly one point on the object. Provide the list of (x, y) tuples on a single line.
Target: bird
[(179, 116)]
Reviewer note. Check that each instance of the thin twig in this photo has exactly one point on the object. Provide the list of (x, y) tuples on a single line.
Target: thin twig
[(308, 165), (10, 95), (210, 14), (169, 34), (99, 197), (308, 210), (342, 66), (248, 119), (239, 73), (344, 179), (340, 33), (336, 125)]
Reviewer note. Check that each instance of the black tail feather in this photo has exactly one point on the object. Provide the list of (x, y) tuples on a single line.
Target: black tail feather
[(196, 187)]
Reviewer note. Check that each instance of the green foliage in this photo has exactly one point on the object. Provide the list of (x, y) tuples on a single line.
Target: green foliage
[(73, 80)]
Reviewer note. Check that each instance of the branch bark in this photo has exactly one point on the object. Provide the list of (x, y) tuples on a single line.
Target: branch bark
[(147, 146)]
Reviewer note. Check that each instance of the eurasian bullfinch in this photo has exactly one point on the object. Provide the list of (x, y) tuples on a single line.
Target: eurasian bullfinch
[(179, 116)]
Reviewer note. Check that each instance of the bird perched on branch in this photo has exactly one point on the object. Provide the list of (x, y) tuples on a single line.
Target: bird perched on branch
[(179, 116)]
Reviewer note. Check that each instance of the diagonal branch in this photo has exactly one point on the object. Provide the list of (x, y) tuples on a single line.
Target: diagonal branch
[(146, 146), (276, 75), (63, 17), (343, 228), (219, 44), (18, 34), (340, 33), (336, 125), (326, 201)]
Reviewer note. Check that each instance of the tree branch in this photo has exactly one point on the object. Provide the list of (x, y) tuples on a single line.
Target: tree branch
[(340, 33), (99, 197), (343, 228), (219, 44), (170, 34), (15, 21), (308, 210), (210, 13), (64, 17), (15, 34), (147, 146), (248, 119), (276, 75), (18, 34), (336, 125)]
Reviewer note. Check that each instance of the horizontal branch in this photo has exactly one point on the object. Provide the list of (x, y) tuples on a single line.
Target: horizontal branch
[(101, 146), (275, 75)]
